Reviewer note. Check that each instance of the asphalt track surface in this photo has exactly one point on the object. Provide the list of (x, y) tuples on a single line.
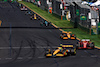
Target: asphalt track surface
[(25, 47)]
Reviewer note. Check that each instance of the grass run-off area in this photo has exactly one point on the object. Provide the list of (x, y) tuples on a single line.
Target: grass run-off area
[(63, 23)]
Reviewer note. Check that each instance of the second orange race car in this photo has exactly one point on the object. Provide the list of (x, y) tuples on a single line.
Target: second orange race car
[(67, 35)]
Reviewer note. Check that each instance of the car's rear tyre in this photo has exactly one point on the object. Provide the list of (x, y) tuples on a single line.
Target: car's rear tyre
[(77, 45), (92, 45), (30, 18), (73, 51), (61, 36)]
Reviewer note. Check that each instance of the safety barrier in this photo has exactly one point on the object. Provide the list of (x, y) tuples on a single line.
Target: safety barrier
[(84, 28)]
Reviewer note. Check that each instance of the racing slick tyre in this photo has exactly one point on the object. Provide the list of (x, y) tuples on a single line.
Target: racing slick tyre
[(46, 56), (49, 24), (47, 52), (61, 36), (72, 35), (73, 51), (41, 24), (30, 18), (75, 37), (77, 45), (92, 45)]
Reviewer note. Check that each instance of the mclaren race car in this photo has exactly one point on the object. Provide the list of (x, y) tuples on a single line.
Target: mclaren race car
[(61, 51), (23, 8), (67, 35), (85, 44)]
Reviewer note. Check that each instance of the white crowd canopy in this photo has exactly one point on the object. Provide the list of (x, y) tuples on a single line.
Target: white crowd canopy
[(85, 3), (97, 3), (72, 0)]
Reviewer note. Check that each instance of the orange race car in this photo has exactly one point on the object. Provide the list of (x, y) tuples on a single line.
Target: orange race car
[(67, 35), (61, 51)]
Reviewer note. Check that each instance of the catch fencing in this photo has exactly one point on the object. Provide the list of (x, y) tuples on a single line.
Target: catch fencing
[(79, 16), (56, 7)]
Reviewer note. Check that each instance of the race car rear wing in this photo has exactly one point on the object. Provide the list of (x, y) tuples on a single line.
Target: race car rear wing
[(65, 45), (85, 40)]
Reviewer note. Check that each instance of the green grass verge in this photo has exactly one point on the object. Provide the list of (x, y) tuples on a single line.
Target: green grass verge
[(63, 23), (57, 21), (83, 35)]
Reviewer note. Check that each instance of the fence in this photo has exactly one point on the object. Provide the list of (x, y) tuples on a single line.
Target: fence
[(56, 7), (44, 5), (79, 16)]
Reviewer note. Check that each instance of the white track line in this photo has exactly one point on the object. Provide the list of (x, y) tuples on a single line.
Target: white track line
[(83, 56), (25, 47), (41, 57), (30, 57), (73, 56), (8, 58), (20, 58), (94, 56)]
